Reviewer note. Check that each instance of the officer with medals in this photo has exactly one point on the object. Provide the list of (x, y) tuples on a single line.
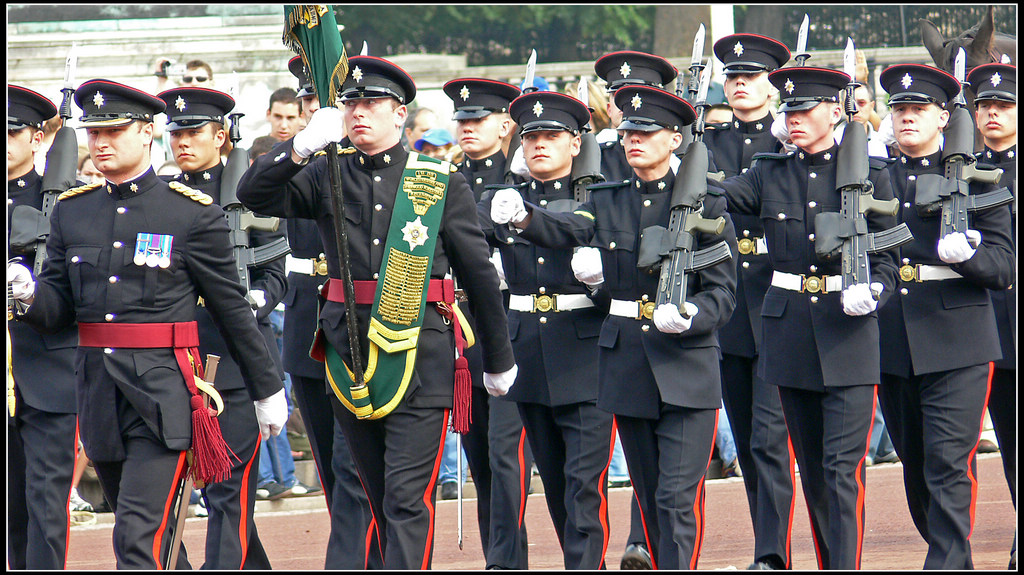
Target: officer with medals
[(128, 260), (661, 384), (496, 447), (939, 334), (408, 218), (307, 271), (755, 412), (995, 90), (554, 325), (819, 341), (196, 119), (42, 438), (618, 69)]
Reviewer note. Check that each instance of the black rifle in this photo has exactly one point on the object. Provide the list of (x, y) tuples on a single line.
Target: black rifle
[(673, 248), (949, 194), (241, 220), (586, 167)]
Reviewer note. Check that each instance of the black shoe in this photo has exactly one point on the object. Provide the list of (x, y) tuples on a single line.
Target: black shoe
[(765, 565), (449, 490), (987, 446), (890, 457), (636, 558)]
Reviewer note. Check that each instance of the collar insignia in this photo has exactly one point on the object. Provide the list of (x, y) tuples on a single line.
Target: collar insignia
[(134, 187), (387, 159), (206, 176), (661, 185), (21, 183), (558, 185)]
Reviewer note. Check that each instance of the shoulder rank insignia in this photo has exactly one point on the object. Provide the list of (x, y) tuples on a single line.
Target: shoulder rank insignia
[(341, 151), (190, 193), (772, 155), (78, 191)]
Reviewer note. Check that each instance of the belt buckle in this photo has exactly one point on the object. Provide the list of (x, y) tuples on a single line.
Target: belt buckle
[(319, 266), (909, 273), (646, 309), (746, 246), (812, 284), (543, 303)]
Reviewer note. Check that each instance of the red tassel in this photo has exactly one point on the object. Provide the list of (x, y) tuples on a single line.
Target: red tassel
[(210, 452), (463, 413)]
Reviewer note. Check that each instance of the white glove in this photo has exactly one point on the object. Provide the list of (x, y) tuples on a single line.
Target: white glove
[(498, 384), (861, 299), (781, 132), (257, 296), (518, 165), (507, 206), (498, 266), (272, 414), (668, 320), (586, 266), (325, 126), (957, 248), (22, 286)]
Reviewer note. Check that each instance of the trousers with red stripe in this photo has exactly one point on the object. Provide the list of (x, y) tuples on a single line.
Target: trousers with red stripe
[(667, 459), (831, 434)]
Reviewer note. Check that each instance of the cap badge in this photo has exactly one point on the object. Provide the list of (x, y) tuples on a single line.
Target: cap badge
[(538, 109), (995, 80), (790, 86), (180, 104), (97, 100), (464, 92), (624, 69), (357, 74), (636, 101), (906, 81), (738, 49)]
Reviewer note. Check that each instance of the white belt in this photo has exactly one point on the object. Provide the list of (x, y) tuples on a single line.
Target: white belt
[(752, 246), (304, 266), (634, 309), (810, 284), (924, 273), (544, 303)]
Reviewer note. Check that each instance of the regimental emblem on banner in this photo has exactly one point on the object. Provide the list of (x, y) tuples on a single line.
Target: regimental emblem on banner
[(401, 294), (423, 189), (153, 250), (415, 233)]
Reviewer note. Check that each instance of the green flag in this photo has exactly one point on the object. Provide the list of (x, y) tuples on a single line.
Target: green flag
[(311, 31)]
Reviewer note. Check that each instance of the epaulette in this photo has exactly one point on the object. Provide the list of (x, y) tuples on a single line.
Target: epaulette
[(719, 125), (518, 186), (771, 156), (190, 193), (78, 191), (608, 185), (876, 163), (341, 151)]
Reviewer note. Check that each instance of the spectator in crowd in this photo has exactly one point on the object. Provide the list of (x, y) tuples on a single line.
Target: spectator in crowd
[(283, 114)]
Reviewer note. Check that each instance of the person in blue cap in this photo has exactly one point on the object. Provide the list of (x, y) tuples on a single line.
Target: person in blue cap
[(41, 437), (496, 447), (398, 451), (819, 341), (753, 406), (197, 129), (435, 143), (995, 89), (554, 324), (128, 259), (939, 333)]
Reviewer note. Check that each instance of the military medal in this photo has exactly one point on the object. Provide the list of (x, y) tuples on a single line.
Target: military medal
[(153, 250)]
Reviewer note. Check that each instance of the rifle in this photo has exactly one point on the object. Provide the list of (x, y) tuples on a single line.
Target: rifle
[(949, 194), (845, 233), (673, 248), (61, 161), (241, 220), (586, 167)]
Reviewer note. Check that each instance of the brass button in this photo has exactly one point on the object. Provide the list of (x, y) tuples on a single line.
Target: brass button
[(645, 327)]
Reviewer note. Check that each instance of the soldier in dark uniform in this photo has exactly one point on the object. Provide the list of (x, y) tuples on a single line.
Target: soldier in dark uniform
[(554, 326), (620, 69), (196, 119), (666, 419), (404, 444), (128, 260), (496, 446), (754, 408), (939, 333), (307, 271), (995, 89), (42, 438), (819, 342)]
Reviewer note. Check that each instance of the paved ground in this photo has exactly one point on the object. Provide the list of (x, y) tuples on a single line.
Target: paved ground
[(296, 539)]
